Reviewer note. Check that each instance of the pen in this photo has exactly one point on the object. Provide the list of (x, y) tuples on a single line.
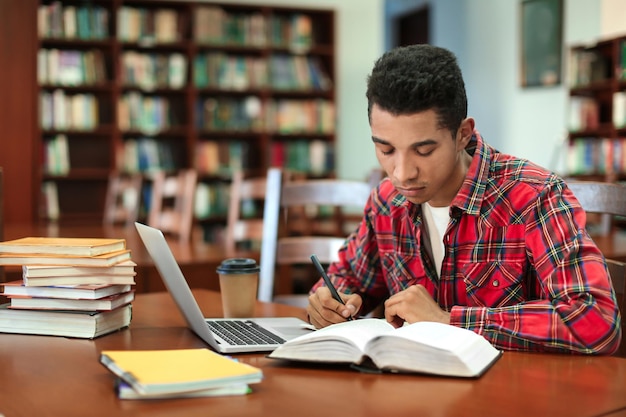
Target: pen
[(329, 284)]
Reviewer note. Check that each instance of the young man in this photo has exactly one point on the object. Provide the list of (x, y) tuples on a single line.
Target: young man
[(460, 233)]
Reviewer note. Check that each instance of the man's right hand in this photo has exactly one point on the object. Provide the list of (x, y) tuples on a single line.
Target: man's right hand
[(324, 310)]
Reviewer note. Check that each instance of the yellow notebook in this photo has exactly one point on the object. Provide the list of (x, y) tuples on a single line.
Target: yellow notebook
[(177, 370)]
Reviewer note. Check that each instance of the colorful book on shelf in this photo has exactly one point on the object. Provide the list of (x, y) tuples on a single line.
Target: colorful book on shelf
[(374, 344), (99, 304), (78, 324), (176, 371), (87, 291), (62, 246), (125, 392), (107, 259)]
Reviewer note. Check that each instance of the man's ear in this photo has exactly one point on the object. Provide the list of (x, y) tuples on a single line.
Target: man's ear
[(466, 129)]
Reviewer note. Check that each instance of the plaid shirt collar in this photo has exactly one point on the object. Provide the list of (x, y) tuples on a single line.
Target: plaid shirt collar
[(470, 195)]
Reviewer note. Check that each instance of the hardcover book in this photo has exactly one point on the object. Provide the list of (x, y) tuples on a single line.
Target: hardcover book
[(62, 246), (176, 371), (87, 292), (78, 324), (374, 344), (99, 304), (126, 392), (107, 259)]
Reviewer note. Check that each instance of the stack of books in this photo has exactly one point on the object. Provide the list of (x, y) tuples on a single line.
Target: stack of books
[(73, 287), (178, 373)]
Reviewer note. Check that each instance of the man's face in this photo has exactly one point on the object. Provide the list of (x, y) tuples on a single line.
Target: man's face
[(424, 162)]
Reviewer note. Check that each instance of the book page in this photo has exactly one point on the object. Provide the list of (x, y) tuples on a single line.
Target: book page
[(358, 332), (436, 335), (343, 342)]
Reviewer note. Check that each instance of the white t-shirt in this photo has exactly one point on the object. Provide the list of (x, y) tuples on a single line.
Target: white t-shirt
[(436, 219)]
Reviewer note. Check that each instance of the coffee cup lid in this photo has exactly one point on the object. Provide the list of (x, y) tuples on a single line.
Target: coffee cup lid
[(238, 266)]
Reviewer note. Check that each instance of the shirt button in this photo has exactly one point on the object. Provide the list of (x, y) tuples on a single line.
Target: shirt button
[(495, 283)]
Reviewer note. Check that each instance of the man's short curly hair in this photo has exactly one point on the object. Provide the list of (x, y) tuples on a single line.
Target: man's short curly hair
[(416, 78)]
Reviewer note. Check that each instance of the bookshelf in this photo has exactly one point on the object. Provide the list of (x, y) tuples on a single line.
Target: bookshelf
[(138, 85), (597, 114)]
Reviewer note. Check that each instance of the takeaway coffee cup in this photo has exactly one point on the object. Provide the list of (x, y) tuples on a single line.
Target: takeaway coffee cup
[(239, 279)]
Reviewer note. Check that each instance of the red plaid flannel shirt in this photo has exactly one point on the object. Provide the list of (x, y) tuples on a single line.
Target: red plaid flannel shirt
[(519, 267)]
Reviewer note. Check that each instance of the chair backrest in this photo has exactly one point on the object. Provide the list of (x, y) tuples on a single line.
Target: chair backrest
[(278, 247), (607, 199), (242, 227), (171, 202), (123, 199)]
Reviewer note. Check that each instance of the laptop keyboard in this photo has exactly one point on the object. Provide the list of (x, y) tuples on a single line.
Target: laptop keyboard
[(244, 332)]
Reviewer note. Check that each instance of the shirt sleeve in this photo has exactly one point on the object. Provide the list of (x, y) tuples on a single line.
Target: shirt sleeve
[(572, 307), (358, 268)]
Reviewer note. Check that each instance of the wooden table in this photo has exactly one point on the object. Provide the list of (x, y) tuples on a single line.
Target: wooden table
[(197, 259), (58, 376)]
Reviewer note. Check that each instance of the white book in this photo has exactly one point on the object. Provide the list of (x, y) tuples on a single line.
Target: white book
[(79, 324), (619, 109), (69, 21), (177, 70), (75, 292), (422, 347)]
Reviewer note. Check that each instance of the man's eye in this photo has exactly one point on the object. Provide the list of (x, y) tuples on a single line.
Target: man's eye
[(425, 151), (386, 152)]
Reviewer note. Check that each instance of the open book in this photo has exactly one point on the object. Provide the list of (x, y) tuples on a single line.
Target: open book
[(423, 347)]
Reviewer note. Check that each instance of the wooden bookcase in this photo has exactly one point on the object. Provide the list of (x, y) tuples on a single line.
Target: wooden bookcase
[(172, 84), (597, 119)]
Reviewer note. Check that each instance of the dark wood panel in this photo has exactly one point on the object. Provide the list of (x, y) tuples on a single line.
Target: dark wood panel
[(18, 108)]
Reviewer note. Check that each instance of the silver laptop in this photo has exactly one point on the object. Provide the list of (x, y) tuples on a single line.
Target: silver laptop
[(223, 335)]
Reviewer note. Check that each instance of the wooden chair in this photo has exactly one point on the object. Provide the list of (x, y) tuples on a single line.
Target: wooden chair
[(171, 203), (240, 227), (608, 200), (123, 199), (281, 248)]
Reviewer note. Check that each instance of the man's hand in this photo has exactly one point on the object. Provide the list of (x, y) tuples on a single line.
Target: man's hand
[(324, 310), (412, 305)]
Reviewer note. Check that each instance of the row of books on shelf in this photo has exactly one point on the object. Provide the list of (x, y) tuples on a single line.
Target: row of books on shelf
[(221, 157), (286, 116), (151, 70), (87, 21), (215, 25), (145, 155), (211, 24), (596, 156), (61, 111), (280, 72), (147, 113), (137, 24), (56, 158), (69, 67), (588, 66), (211, 200), (584, 112), (314, 157), (153, 113), (72, 287)]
